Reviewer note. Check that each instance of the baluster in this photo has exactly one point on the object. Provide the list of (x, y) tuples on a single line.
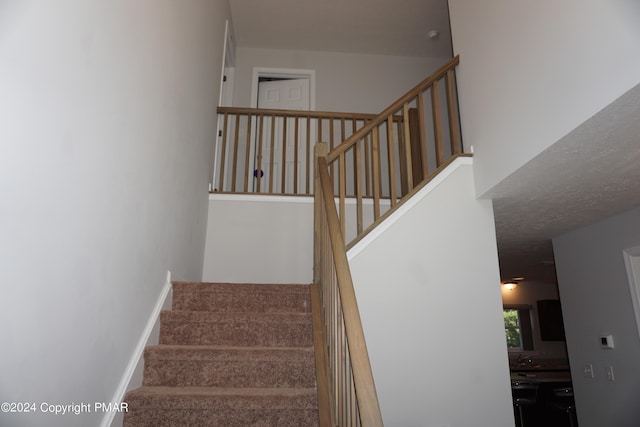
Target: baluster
[(342, 132), (258, 173), (295, 156), (456, 146), (407, 147), (223, 154), (283, 165), (343, 189), (437, 126), (376, 174), (404, 186), (247, 155), (355, 169), (308, 157), (272, 151), (367, 163), (236, 143), (358, 185), (392, 161), (423, 138)]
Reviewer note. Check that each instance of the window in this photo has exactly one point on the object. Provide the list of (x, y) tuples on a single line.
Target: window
[(512, 328), (517, 327)]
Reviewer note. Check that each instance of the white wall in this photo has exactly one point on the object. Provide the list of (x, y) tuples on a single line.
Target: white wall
[(428, 289), (107, 122), (266, 239), (531, 72), (596, 300), (344, 81)]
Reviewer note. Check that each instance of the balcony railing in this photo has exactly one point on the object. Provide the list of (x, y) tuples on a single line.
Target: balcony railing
[(271, 151)]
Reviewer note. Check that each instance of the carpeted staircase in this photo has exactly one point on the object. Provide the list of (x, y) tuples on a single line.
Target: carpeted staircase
[(230, 355)]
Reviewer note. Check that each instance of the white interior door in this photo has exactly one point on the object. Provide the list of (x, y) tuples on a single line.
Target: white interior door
[(289, 94)]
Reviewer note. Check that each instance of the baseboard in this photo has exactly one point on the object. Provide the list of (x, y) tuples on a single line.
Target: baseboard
[(138, 353)]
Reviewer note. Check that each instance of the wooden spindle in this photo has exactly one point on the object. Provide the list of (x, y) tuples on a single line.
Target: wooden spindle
[(272, 151), (392, 161), (223, 153), (295, 156), (407, 146), (404, 186), (376, 174), (247, 156), (283, 164), (258, 174), (342, 168), (437, 125), (422, 139), (234, 165), (308, 169), (456, 146), (358, 187)]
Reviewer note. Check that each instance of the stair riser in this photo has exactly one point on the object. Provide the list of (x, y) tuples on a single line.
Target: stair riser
[(203, 418), (236, 334), (241, 298), (239, 303), (180, 373)]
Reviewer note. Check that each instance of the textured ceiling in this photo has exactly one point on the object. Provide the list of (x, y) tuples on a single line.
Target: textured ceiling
[(590, 174), (361, 26)]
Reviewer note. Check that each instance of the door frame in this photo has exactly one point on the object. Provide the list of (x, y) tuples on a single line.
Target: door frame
[(225, 97), (631, 255), (283, 73)]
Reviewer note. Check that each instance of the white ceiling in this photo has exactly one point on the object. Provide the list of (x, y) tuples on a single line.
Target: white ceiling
[(361, 26), (589, 175)]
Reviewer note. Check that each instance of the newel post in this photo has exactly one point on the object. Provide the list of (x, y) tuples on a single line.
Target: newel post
[(320, 150)]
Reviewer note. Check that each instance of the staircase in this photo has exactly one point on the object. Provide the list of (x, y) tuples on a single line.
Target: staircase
[(230, 355)]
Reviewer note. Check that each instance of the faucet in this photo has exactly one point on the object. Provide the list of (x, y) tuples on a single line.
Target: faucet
[(524, 360)]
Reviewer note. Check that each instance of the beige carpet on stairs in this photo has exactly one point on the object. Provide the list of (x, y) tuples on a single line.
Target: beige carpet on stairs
[(230, 355)]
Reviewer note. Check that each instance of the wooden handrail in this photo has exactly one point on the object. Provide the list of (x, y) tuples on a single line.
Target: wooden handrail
[(270, 151), (442, 71), (347, 350), (299, 113), (400, 154)]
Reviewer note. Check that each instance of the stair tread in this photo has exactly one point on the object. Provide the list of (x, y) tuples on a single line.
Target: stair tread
[(223, 391), (207, 352), (240, 287), (215, 347), (241, 297), (214, 316), (171, 397)]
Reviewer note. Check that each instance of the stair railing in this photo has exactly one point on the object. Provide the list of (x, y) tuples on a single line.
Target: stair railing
[(352, 395), (387, 160), (270, 151), (384, 163)]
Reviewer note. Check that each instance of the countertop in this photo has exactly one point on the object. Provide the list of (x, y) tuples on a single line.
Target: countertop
[(540, 376)]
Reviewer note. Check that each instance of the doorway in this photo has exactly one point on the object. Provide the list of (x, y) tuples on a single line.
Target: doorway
[(281, 89)]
